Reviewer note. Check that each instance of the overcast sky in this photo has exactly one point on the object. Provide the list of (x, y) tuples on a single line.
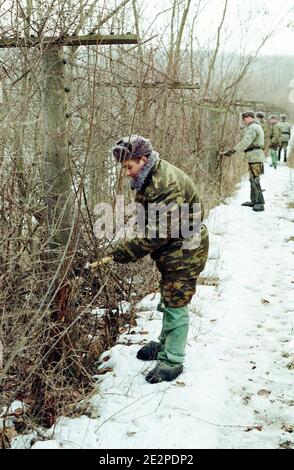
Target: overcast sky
[(258, 17)]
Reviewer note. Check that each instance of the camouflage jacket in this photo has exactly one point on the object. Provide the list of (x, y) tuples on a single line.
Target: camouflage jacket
[(265, 129), (252, 143), (167, 186), (275, 136), (285, 129)]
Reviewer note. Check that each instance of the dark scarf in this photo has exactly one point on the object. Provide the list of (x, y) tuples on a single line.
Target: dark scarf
[(138, 181)]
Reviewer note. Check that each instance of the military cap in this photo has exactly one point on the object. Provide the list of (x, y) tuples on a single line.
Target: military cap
[(246, 114), (130, 147), (260, 114), (283, 117)]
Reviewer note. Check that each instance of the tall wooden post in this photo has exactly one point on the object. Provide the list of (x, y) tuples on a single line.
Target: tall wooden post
[(57, 176)]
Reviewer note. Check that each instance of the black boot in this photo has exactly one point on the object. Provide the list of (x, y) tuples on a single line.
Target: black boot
[(248, 204), (149, 351), (164, 373), (258, 207)]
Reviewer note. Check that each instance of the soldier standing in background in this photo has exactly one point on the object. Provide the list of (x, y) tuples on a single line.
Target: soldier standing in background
[(285, 129), (275, 139), (260, 116), (290, 150), (252, 145)]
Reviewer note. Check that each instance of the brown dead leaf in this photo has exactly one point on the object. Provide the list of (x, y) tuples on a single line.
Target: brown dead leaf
[(122, 329), (248, 429), (180, 384), (6, 436), (263, 393), (251, 428), (287, 428), (286, 445), (264, 301), (18, 412), (144, 332), (104, 370), (75, 394), (106, 358), (130, 434)]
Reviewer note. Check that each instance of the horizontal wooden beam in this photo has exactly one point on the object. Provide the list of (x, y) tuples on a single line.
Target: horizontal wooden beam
[(172, 85), (261, 105), (245, 104), (90, 40)]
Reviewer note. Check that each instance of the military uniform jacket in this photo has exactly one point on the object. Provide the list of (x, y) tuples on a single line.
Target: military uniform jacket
[(285, 129), (265, 129), (275, 136), (252, 143), (167, 186)]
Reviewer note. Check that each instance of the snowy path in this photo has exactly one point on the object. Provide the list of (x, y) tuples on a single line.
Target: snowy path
[(237, 387)]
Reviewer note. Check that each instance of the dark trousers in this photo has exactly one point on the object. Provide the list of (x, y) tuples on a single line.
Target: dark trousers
[(284, 149), (255, 170)]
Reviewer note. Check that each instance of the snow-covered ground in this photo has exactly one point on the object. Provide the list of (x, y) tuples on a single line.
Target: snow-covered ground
[(236, 390)]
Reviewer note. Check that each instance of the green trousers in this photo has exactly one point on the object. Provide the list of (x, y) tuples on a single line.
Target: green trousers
[(173, 336), (274, 157)]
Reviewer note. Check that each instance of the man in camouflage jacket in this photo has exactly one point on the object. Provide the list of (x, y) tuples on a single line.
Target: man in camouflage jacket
[(179, 258), (275, 139), (285, 129), (260, 116), (252, 145)]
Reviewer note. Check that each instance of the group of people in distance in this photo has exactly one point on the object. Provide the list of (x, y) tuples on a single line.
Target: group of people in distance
[(276, 136), (261, 138)]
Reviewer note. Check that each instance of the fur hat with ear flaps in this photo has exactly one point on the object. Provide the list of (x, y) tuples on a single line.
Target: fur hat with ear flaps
[(128, 148)]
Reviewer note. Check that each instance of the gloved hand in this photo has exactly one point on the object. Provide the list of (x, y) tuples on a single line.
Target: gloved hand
[(102, 262), (228, 153)]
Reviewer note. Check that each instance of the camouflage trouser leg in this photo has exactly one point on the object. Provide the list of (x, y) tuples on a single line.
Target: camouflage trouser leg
[(177, 291)]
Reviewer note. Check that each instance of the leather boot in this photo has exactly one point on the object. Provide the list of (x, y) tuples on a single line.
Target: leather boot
[(164, 373), (149, 351)]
